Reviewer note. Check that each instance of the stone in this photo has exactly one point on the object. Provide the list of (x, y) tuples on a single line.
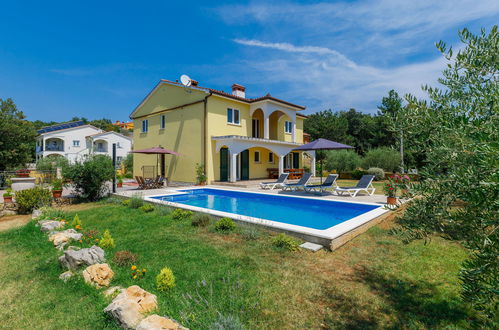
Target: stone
[(128, 307), (60, 237), (36, 213), (72, 259), (311, 246), (7, 212), (66, 275), (50, 225), (156, 322), (98, 275), (112, 291)]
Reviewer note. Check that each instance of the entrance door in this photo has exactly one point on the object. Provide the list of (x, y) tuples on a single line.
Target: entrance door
[(224, 164), (245, 165), (296, 160)]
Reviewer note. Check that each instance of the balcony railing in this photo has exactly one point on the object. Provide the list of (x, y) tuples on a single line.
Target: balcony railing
[(52, 148), (100, 149)]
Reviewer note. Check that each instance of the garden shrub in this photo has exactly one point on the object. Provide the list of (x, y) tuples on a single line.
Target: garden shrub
[(180, 214), (113, 200), (147, 208), (225, 224), (165, 279), (135, 202), (357, 174), (124, 258), (386, 158), (107, 241), (53, 213), (226, 322), (34, 198), (286, 242), (378, 173), (250, 233), (342, 161), (201, 220), (125, 202), (76, 223), (51, 163), (89, 177), (163, 210)]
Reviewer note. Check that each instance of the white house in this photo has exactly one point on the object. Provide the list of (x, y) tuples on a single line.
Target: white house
[(76, 140)]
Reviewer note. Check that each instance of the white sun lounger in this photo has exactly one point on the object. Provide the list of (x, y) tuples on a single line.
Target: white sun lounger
[(276, 184), (364, 184), (300, 184)]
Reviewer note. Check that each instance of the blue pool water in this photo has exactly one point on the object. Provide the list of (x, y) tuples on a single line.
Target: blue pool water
[(312, 213)]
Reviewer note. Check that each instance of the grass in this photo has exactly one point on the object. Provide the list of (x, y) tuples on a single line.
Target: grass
[(374, 281)]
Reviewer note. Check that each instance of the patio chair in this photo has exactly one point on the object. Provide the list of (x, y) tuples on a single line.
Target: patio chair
[(278, 183), (329, 183), (364, 184), (299, 185), (161, 181), (140, 180)]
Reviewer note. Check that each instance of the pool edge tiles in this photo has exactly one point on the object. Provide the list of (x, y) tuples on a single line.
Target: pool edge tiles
[(320, 236)]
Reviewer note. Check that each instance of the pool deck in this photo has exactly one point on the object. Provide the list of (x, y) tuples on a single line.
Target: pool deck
[(330, 238), (129, 191)]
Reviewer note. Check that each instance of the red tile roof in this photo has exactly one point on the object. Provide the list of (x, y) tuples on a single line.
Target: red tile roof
[(244, 99)]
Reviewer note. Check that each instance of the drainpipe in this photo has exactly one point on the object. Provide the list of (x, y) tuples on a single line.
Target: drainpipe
[(205, 131)]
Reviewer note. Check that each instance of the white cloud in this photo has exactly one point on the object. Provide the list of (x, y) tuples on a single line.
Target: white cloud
[(324, 78), (347, 54)]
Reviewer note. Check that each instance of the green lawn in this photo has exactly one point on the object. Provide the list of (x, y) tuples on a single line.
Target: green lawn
[(372, 282)]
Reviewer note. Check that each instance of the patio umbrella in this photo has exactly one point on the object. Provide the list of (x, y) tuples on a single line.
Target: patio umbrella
[(323, 144), (155, 151)]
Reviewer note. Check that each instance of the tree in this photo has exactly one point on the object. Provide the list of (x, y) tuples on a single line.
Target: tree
[(391, 108), (458, 198), (89, 177), (17, 136)]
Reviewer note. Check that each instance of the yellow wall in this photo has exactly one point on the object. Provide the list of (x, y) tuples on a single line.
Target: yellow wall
[(183, 132), (259, 170), (217, 126)]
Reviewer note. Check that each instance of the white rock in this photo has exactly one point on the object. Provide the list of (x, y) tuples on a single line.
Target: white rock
[(50, 225), (66, 275), (128, 307), (112, 291), (156, 322), (73, 259), (59, 237), (36, 214)]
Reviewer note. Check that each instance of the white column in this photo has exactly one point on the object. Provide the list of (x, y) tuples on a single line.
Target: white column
[(266, 124), (312, 164), (233, 167), (281, 165), (293, 133)]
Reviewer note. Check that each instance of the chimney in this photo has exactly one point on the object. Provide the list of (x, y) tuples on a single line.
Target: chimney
[(238, 90), (194, 82)]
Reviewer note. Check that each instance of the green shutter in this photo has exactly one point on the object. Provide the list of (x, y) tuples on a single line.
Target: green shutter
[(296, 160), (224, 164), (245, 165)]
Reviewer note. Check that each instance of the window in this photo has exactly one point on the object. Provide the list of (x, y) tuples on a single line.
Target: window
[(162, 122), (76, 143), (288, 127), (118, 145), (145, 126), (119, 159), (257, 156), (271, 157), (233, 116)]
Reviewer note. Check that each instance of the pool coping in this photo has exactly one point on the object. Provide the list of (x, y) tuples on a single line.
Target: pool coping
[(324, 236)]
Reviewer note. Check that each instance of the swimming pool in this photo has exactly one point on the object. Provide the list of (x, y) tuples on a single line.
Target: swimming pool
[(309, 216)]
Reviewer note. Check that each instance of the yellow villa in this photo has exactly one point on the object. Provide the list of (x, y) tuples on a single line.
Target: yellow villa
[(235, 137)]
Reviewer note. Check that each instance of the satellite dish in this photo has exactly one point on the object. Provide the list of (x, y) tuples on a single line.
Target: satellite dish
[(185, 80)]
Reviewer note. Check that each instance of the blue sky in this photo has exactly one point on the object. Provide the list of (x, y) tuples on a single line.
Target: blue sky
[(60, 59)]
